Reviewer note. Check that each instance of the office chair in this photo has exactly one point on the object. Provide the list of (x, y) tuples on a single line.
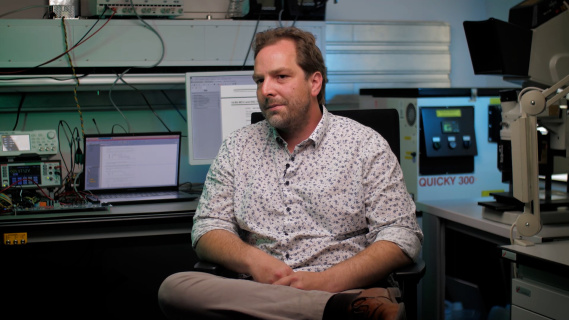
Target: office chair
[(386, 122)]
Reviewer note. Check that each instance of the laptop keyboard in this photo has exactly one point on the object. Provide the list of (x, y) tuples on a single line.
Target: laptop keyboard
[(137, 195)]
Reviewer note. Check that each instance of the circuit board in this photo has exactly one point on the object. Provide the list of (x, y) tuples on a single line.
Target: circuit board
[(61, 208)]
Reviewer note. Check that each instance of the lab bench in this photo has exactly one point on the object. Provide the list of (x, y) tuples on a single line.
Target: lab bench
[(94, 264)]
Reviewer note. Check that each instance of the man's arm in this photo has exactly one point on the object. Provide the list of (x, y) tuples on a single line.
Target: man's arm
[(367, 267), (227, 249)]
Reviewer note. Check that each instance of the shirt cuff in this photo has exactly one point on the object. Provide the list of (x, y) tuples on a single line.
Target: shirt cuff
[(202, 227), (406, 239)]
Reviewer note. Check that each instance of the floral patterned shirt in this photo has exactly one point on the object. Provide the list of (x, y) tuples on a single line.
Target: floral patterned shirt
[(339, 191)]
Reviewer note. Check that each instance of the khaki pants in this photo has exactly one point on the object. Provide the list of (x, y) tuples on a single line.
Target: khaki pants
[(197, 295)]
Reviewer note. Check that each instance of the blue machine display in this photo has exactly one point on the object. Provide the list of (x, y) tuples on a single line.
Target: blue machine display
[(31, 174), (22, 143)]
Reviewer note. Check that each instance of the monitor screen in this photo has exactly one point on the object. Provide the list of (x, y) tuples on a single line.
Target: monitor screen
[(217, 103), (126, 161)]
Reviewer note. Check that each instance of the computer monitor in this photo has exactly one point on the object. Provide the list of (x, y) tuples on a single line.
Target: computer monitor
[(207, 124)]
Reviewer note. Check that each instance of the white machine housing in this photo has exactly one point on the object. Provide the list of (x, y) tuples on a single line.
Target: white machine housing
[(485, 179)]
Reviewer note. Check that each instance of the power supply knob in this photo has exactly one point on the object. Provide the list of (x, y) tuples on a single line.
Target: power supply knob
[(51, 135)]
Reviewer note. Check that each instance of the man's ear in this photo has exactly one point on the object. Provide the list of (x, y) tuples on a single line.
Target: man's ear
[(316, 82)]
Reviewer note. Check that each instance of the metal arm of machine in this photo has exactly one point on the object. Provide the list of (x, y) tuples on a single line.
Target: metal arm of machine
[(525, 152)]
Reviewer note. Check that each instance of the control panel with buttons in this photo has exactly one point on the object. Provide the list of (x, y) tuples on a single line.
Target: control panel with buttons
[(36, 142), (447, 140), (449, 132), (31, 174), (18, 238)]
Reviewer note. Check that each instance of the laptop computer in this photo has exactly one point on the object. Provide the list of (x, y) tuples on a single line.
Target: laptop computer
[(133, 168)]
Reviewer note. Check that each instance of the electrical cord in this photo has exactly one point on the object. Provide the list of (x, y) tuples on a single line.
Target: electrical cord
[(96, 126), (155, 32), (117, 125), (44, 77), (75, 76), (23, 9), (174, 105), (147, 103), (64, 53), (66, 47), (115, 105), (73, 147), (19, 111), (120, 77), (17, 183), (251, 44)]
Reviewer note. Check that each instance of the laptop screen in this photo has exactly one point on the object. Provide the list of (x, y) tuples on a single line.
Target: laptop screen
[(131, 161)]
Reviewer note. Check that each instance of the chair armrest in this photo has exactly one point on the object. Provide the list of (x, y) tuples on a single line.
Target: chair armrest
[(212, 268), (413, 272), (208, 267)]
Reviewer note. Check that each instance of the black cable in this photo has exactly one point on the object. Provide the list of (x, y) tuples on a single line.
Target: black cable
[(64, 53), (94, 24), (113, 128), (45, 77), (19, 111), (147, 102), (251, 43), (72, 147), (174, 105), (96, 126)]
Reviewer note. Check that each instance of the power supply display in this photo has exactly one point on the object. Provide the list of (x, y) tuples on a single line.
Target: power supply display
[(31, 174)]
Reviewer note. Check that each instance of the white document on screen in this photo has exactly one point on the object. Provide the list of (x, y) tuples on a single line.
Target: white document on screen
[(237, 105)]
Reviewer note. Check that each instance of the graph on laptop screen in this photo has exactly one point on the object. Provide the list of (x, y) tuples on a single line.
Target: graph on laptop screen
[(217, 103)]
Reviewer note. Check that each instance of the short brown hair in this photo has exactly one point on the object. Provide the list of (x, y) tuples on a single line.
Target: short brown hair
[(308, 55)]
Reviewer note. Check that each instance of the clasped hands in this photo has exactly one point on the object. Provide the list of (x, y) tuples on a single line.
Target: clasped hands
[(273, 271)]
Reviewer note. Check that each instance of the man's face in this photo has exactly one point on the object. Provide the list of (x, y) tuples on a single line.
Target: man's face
[(283, 91)]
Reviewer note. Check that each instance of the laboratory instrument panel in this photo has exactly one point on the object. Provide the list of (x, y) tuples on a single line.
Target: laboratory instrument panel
[(447, 140), (36, 142), (144, 8), (31, 174), (449, 131), (443, 120)]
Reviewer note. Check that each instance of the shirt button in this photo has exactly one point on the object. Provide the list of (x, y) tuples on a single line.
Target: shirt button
[(287, 165), (287, 256), (287, 183), (288, 209), (292, 158), (286, 233)]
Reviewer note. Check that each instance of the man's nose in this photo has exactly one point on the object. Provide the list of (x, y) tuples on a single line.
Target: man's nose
[(267, 89)]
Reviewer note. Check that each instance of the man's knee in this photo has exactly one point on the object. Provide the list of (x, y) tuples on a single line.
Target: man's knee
[(179, 295)]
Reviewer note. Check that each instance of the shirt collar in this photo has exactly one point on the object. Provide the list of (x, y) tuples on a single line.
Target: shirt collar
[(318, 134)]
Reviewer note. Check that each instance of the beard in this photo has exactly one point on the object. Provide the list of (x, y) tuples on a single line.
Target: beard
[(292, 116)]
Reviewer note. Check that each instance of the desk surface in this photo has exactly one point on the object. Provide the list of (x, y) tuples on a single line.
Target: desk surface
[(118, 222), (467, 212), (555, 251), (112, 212)]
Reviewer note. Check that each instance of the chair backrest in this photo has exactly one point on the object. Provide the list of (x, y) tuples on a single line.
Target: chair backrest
[(384, 121)]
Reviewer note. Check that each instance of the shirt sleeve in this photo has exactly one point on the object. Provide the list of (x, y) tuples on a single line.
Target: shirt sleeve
[(390, 211), (215, 208)]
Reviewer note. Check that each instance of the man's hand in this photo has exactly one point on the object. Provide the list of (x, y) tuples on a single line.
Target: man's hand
[(307, 281), (268, 269)]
